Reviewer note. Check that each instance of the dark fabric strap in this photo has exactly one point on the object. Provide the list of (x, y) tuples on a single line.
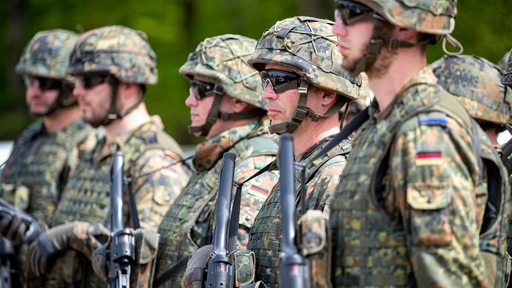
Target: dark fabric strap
[(175, 269)]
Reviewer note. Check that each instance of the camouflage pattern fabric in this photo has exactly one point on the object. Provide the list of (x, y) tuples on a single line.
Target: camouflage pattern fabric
[(322, 176), (431, 17), (224, 59), (418, 225), (291, 42), (477, 83), (507, 72), (37, 170), (151, 161), (118, 50), (47, 54), (189, 223), (40, 164)]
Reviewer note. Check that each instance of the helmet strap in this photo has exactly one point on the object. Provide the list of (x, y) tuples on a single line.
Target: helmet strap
[(212, 115), (113, 113), (377, 41)]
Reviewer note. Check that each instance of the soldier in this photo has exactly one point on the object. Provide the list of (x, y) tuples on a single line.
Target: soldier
[(304, 87), (112, 66), (411, 201), (477, 84), (227, 108), (45, 153)]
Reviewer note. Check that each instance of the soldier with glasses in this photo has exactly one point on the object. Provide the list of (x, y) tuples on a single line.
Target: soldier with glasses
[(410, 207), (112, 66)]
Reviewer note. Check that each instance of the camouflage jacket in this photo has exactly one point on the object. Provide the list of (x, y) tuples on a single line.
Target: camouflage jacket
[(322, 176), (407, 210), (189, 223), (39, 166), (153, 162)]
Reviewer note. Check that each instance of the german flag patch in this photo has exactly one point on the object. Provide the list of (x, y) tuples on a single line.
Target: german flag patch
[(429, 158)]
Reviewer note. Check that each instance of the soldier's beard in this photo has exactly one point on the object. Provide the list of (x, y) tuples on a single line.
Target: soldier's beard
[(382, 64)]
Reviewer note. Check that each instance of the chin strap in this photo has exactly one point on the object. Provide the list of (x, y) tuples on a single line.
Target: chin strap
[(113, 114), (215, 114), (302, 111)]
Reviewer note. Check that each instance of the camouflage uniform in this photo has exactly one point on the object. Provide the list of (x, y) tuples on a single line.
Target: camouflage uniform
[(291, 43), (37, 170), (410, 185), (189, 223), (152, 159), (477, 84), (39, 166), (322, 176)]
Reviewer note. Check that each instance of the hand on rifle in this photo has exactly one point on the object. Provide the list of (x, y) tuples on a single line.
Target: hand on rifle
[(12, 228), (80, 236), (195, 273)]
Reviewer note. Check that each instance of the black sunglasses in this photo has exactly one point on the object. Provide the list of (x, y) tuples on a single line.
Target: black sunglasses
[(201, 89), (281, 81), (350, 12), (44, 84), (91, 81)]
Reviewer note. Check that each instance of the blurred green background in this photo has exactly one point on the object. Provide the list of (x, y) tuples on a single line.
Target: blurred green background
[(175, 27)]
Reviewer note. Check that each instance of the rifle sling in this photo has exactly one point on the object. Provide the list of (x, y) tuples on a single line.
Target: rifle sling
[(352, 126), (233, 231), (133, 207), (235, 210), (176, 268)]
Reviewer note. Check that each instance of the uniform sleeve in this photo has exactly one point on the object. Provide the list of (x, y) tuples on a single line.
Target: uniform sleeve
[(157, 180), (432, 170)]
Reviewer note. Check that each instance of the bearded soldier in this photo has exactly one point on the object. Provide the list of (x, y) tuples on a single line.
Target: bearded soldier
[(409, 207), (304, 87), (45, 153), (112, 66)]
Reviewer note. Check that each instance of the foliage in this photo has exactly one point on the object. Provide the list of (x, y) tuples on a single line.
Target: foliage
[(175, 27)]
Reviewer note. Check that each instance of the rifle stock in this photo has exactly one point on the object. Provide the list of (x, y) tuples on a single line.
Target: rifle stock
[(122, 246), (220, 266), (293, 268)]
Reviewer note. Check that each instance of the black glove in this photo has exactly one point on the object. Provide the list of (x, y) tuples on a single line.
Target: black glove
[(49, 243), (194, 276), (12, 228), (99, 262)]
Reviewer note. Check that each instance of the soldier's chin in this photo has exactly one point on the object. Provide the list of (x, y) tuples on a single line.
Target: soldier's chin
[(93, 122)]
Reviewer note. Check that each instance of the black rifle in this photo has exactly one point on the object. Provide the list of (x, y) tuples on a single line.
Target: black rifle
[(505, 153), (220, 266), (293, 268), (122, 246)]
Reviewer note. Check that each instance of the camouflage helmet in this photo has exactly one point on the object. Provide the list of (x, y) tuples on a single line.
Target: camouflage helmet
[(307, 45), (477, 83), (47, 54), (507, 71), (224, 59), (123, 52), (428, 16)]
